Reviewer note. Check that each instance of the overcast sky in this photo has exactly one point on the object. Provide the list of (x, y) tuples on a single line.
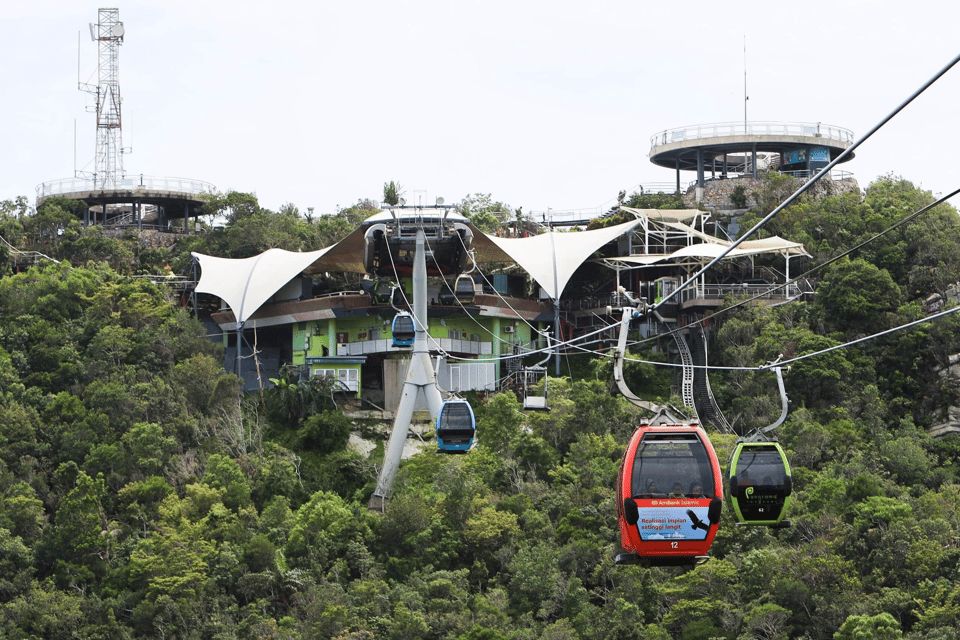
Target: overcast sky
[(540, 104)]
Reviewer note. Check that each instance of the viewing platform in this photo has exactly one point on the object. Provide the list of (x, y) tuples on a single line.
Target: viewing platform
[(173, 198), (744, 148)]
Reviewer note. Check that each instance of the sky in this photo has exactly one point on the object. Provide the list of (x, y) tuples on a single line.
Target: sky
[(541, 105)]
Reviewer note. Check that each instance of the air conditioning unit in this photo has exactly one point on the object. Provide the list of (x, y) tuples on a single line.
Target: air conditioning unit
[(509, 329)]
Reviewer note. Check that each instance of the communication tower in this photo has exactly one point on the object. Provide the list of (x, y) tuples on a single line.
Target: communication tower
[(108, 165)]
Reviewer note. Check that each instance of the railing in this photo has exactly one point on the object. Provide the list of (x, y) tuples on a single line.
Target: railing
[(650, 188), (126, 183), (730, 129), (759, 291), (447, 345), (615, 300), (694, 292), (803, 175)]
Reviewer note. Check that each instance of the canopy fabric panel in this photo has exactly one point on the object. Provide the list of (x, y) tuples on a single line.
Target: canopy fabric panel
[(664, 215), (564, 252), (345, 256), (702, 250), (773, 244), (246, 283)]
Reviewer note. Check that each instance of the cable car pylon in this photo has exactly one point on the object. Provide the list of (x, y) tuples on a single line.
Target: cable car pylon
[(421, 381)]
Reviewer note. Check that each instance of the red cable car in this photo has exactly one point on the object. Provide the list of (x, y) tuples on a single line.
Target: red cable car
[(669, 496)]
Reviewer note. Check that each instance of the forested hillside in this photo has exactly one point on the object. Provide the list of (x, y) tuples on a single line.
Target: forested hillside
[(142, 496)]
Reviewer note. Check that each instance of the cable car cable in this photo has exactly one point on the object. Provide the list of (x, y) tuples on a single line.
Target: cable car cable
[(909, 325)]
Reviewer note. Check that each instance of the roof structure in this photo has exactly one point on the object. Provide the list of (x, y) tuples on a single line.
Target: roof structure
[(708, 247), (245, 284), (550, 258)]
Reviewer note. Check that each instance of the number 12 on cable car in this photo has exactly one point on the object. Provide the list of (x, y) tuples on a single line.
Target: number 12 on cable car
[(669, 496)]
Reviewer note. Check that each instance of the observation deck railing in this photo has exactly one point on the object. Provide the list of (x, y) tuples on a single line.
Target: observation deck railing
[(738, 129), (129, 182)]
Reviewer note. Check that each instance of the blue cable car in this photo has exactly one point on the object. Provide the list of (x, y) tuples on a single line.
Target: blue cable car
[(403, 329), (456, 426)]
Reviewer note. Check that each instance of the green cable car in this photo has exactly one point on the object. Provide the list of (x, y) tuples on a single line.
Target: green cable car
[(760, 484), (759, 474)]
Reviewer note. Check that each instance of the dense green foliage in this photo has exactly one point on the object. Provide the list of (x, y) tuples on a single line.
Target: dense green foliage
[(142, 496)]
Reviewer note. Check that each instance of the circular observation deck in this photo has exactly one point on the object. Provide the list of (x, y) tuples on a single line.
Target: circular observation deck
[(745, 147), (171, 197)]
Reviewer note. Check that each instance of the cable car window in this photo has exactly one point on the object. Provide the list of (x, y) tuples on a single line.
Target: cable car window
[(672, 465), (763, 467)]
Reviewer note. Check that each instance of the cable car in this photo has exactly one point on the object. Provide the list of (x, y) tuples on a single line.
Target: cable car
[(403, 330), (455, 426), (382, 292), (669, 496), (760, 484), (445, 296), (464, 290)]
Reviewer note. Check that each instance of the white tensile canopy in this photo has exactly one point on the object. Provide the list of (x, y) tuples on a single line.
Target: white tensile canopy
[(245, 284), (550, 258)]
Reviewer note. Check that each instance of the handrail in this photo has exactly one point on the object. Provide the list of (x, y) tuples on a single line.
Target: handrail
[(730, 129), (126, 183), (803, 174)]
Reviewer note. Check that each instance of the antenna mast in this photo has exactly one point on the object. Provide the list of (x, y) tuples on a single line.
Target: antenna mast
[(745, 96), (108, 166)]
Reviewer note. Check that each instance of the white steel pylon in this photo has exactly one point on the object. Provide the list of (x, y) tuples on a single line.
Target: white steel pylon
[(421, 379)]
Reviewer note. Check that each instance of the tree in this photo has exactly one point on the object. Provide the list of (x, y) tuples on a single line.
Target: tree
[(855, 296), (392, 192), (224, 473), (879, 627), (486, 214)]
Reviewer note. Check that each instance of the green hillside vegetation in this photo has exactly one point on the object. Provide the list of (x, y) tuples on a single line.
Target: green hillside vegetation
[(143, 496)]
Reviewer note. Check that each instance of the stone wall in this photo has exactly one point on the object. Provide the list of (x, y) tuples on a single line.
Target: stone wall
[(950, 423), (716, 193), (146, 237)]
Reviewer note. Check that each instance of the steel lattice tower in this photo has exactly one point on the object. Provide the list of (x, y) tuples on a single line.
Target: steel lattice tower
[(108, 167)]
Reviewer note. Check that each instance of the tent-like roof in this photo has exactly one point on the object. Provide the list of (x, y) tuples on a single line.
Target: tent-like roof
[(551, 258), (246, 284), (695, 252), (665, 215), (708, 248)]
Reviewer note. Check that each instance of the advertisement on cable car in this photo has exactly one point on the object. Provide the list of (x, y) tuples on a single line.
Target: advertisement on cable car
[(673, 519)]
